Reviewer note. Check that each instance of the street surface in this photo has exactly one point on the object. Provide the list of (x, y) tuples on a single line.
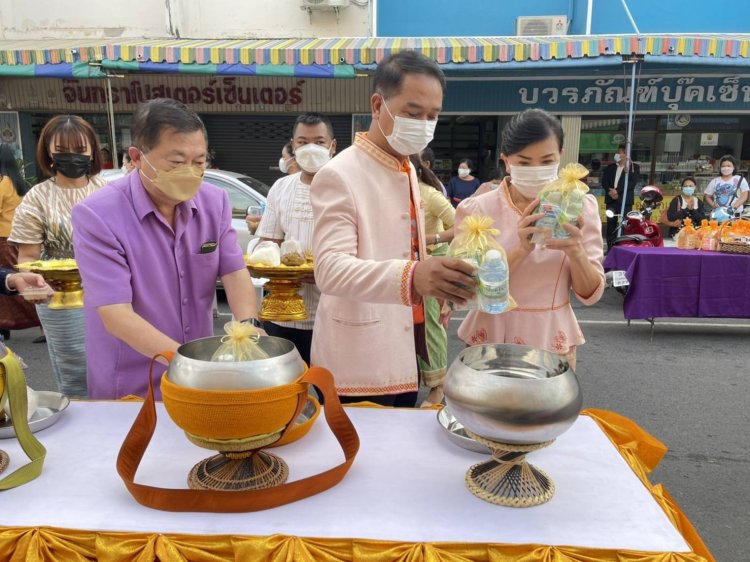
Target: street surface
[(689, 388)]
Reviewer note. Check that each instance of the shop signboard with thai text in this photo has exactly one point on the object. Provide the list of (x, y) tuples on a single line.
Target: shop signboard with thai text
[(601, 95), (243, 94), (205, 94)]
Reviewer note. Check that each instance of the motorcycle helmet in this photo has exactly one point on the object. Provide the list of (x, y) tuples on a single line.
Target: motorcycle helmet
[(651, 195)]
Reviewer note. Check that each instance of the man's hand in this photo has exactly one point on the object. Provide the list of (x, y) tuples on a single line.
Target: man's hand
[(613, 193), (252, 223), (445, 278), (38, 290)]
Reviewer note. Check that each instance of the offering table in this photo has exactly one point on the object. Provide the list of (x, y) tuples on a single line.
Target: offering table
[(404, 494), (674, 283)]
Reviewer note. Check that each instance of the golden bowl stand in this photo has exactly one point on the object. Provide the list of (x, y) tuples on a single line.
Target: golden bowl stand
[(65, 281), (507, 479), (282, 301)]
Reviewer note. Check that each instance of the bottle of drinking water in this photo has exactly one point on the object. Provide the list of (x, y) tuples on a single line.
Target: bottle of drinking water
[(493, 283)]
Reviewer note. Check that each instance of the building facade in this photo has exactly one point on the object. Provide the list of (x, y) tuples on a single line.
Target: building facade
[(691, 89)]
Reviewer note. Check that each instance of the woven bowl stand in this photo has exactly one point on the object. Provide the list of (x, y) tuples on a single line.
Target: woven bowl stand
[(507, 479), (240, 465), (4, 460)]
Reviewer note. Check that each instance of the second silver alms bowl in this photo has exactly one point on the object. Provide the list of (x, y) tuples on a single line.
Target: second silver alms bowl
[(513, 394)]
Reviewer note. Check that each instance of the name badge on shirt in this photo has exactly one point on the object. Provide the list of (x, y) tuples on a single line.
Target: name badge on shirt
[(208, 247)]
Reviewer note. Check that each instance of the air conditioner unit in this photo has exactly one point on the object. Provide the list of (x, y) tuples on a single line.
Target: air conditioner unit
[(324, 4), (541, 25)]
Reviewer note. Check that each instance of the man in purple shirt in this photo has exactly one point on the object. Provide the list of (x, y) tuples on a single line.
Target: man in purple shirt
[(150, 247)]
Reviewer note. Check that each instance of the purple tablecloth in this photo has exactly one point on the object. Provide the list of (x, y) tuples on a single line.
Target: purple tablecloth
[(667, 282)]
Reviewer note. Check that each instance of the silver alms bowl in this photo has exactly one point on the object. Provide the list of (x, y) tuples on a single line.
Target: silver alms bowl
[(192, 366), (513, 393)]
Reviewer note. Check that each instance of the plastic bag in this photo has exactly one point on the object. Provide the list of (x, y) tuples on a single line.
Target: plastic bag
[(686, 237), (474, 239), (292, 254), (240, 343), (32, 404), (266, 253), (561, 202)]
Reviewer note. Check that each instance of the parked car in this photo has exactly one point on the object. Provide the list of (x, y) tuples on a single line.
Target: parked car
[(243, 191)]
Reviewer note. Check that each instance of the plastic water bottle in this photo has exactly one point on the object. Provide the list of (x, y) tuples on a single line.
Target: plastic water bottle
[(493, 283)]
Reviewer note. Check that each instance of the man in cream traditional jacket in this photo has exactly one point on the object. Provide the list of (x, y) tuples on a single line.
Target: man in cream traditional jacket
[(368, 243)]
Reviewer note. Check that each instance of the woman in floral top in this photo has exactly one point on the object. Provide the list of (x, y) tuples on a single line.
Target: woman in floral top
[(68, 154)]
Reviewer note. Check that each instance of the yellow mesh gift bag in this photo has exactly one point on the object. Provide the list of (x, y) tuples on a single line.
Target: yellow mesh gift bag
[(476, 237), (561, 202), (239, 344)]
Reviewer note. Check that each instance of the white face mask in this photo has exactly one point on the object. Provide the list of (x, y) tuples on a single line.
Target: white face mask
[(727, 171), (283, 166), (463, 172), (529, 180), (409, 136), (618, 157), (312, 157)]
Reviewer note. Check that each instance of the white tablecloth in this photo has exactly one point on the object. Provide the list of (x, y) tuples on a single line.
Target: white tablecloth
[(406, 484)]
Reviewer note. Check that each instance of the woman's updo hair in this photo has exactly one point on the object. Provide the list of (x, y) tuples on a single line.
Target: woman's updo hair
[(468, 163), (533, 125)]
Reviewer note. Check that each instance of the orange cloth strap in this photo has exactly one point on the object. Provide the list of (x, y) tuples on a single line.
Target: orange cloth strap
[(173, 499)]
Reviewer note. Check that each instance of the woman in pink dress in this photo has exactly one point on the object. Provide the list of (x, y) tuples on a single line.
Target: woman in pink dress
[(541, 277)]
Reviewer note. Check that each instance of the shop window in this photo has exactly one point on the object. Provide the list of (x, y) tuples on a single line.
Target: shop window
[(667, 148)]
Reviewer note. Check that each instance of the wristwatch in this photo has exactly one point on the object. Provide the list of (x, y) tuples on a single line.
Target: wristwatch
[(254, 321)]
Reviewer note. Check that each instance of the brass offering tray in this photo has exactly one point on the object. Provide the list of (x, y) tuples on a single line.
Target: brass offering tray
[(457, 432), (282, 302), (63, 276)]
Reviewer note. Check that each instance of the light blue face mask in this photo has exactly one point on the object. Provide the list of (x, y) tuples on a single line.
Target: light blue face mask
[(688, 190)]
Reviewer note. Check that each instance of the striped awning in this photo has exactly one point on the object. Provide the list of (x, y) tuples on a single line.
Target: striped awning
[(368, 50)]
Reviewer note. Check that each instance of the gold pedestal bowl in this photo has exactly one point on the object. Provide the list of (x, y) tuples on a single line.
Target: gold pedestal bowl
[(282, 301), (63, 276)]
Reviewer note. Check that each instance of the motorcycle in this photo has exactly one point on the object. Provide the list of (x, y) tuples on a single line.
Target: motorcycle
[(637, 230), (723, 214)]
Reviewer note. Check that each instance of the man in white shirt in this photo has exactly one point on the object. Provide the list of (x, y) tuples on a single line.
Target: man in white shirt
[(289, 215)]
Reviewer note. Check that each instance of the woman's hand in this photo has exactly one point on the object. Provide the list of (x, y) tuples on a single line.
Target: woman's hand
[(526, 228), (572, 246)]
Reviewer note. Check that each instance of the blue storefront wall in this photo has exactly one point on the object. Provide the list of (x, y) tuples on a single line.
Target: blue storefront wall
[(478, 18), (575, 95)]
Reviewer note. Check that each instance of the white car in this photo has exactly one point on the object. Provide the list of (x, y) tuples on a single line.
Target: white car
[(243, 192)]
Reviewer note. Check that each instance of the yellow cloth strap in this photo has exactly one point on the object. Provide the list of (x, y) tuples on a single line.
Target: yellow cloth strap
[(15, 387)]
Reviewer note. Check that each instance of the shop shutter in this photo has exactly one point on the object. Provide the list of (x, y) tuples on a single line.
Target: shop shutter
[(251, 144)]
